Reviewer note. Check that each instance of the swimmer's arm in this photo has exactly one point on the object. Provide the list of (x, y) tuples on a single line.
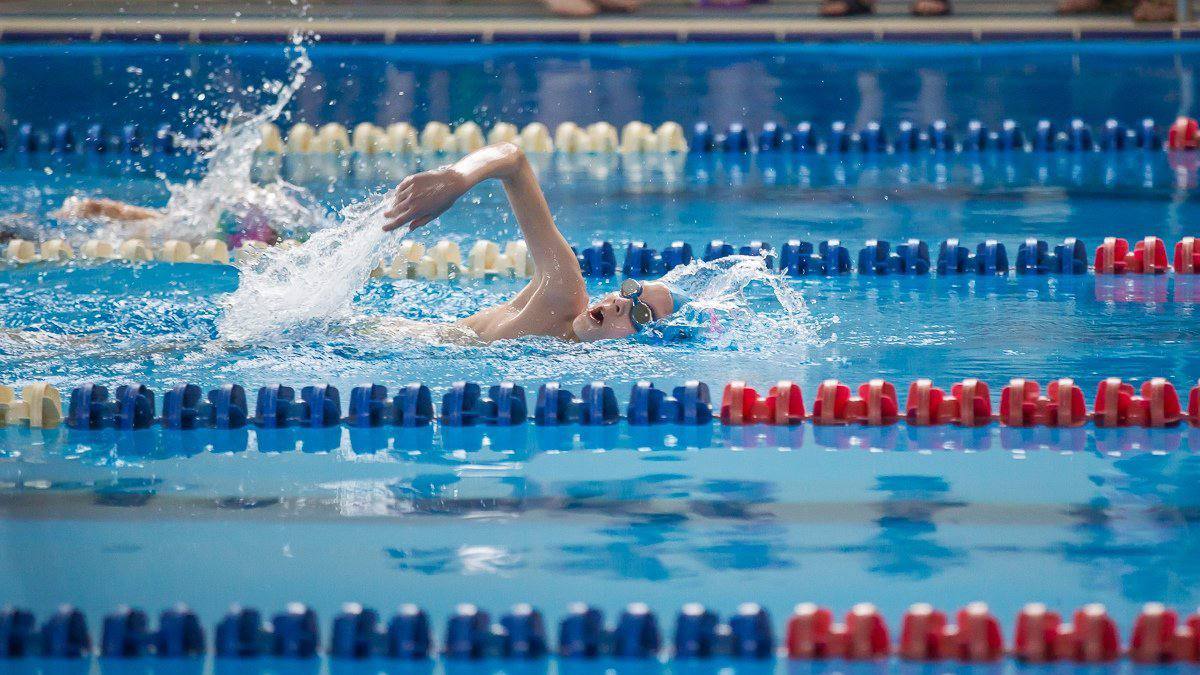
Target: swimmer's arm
[(79, 208), (423, 197)]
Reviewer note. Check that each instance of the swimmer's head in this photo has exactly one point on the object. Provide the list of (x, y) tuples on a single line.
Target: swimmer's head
[(628, 311)]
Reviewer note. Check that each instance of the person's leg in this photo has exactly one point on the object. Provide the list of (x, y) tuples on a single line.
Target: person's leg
[(572, 8), (619, 5), (1094, 6), (836, 8), (1154, 10), (931, 7)]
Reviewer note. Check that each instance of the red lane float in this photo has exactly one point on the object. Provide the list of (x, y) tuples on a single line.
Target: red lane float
[(866, 634), (783, 405), (812, 634), (1149, 256), (1091, 637), (1153, 638), (1117, 406), (922, 634), (875, 405), (1022, 405), (1194, 405), (969, 404), (976, 636), (1184, 134), (1036, 634), (1187, 256)]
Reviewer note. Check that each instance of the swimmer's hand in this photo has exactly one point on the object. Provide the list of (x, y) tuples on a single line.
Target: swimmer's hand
[(424, 196)]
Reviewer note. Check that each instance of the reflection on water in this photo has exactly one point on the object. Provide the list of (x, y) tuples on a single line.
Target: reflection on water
[(466, 559), (907, 543), (839, 522), (1130, 541)]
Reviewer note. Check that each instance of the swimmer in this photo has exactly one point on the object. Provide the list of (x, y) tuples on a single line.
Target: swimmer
[(555, 301)]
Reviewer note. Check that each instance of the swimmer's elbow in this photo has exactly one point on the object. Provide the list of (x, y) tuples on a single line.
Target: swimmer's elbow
[(514, 157)]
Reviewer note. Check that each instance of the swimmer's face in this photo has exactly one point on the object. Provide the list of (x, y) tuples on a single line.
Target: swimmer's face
[(609, 318)]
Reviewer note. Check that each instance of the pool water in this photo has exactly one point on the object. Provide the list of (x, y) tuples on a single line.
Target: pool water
[(669, 514)]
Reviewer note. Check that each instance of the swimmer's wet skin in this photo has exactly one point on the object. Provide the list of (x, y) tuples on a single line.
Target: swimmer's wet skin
[(555, 302)]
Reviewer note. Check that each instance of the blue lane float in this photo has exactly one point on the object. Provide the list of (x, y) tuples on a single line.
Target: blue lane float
[(1034, 256), (717, 249), (125, 634), (761, 249), (874, 138), (132, 407), (940, 137), (702, 138), (830, 258), (695, 632), (689, 404), (556, 406), (908, 138), (65, 635), (465, 406), (677, 254), (523, 634), (811, 634), (877, 258), (1011, 137), (976, 138), (409, 636), (736, 139), (240, 634), (750, 633), (294, 633), (641, 261), (355, 633), (636, 635), (368, 406), (1079, 137), (598, 260), (1114, 136), (771, 138), (839, 139), (467, 633), (413, 406), (18, 630), (990, 258), (804, 139)]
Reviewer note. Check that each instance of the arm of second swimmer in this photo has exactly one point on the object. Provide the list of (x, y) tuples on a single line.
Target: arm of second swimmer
[(76, 207)]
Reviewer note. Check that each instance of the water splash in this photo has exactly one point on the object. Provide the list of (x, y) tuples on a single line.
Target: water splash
[(285, 293), (227, 188), (749, 306)]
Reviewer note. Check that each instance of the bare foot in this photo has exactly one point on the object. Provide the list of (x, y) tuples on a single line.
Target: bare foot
[(931, 8), (1079, 6), (619, 5), (1154, 11), (572, 8), (836, 8)]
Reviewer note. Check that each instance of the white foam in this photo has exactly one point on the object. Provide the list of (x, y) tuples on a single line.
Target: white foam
[(719, 288), (311, 286)]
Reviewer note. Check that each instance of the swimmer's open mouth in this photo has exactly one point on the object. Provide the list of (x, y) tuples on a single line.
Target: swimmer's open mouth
[(597, 315)]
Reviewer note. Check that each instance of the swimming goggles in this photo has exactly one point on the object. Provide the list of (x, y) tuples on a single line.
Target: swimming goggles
[(640, 314)]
